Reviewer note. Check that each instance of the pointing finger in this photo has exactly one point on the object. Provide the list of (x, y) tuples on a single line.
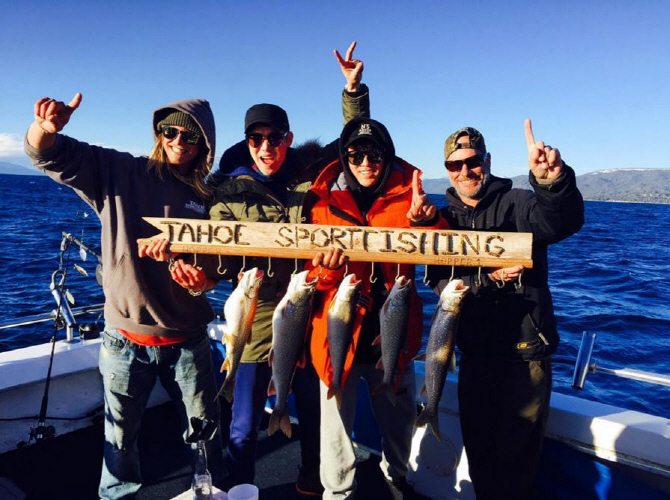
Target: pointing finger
[(350, 50), (417, 189), (76, 101), (528, 129)]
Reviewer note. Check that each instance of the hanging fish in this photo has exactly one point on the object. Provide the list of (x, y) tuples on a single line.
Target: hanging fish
[(289, 327), (341, 314), (440, 350), (393, 334), (239, 311)]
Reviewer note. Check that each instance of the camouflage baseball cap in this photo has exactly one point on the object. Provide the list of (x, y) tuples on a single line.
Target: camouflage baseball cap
[(476, 141)]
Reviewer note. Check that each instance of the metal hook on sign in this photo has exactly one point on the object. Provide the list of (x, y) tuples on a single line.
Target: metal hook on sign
[(195, 260), (244, 263), (453, 272), (295, 268), (478, 281), (372, 274), (518, 284), (425, 275), (218, 269), (270, 274), (397, 274)]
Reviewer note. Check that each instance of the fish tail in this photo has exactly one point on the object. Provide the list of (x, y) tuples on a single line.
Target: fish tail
[(426, 418), (280, 420), (385, 389), (227, 388), (337, 393)]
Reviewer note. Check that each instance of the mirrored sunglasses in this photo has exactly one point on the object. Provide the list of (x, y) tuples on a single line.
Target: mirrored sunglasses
[(356, 157), (274, 139), (457, 165), (187, 136)]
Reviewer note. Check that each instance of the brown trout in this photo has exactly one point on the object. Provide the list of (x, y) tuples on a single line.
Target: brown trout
[(239, 311), (289, 327)]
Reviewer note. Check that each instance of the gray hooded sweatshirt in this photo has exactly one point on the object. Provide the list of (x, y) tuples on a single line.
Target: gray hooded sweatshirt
[(140, 295)]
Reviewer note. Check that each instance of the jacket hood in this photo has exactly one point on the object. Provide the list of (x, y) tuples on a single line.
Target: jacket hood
[(364, 128), (200, 111)]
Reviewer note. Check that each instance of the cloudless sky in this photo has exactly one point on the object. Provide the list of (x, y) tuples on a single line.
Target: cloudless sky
[(594, 76)]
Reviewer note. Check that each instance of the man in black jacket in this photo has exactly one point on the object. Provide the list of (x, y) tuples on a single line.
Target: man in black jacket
[(507, 329)]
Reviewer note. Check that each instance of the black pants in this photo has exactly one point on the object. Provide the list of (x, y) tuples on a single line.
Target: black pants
[(503, 412)]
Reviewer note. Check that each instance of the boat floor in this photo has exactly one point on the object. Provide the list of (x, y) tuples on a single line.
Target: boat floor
[(68, 467)]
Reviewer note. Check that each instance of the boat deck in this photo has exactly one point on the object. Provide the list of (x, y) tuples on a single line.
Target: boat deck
[(68, 467)]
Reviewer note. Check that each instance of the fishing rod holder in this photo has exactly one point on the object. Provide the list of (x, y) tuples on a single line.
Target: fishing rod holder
[(584, 365), (62, 298)]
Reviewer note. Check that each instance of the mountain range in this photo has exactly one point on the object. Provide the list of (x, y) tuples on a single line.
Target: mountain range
[(637, 185)]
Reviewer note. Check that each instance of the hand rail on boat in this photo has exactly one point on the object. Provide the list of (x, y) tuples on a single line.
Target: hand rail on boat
[(50, 316), (584, 365)]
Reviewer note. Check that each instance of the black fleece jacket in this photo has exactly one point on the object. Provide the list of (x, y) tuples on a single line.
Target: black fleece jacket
[(515, 321)]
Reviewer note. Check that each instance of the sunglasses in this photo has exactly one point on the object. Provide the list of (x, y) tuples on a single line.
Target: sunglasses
[(457, 165), (274, 139), (356, 157), (187, 136)]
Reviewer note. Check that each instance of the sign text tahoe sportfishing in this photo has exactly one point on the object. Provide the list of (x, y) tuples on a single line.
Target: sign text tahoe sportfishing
[(360, 243)]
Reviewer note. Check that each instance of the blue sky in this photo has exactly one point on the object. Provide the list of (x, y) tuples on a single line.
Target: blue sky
[(592, 75)]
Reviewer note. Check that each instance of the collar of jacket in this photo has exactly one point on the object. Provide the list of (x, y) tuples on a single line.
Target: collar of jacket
[(495, 186)]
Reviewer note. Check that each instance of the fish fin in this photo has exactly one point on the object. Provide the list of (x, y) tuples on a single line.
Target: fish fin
[(386, 389), (380, 364), (280, 420), (225, 365), (420, 357), (271, 388), (452, 363), (377, 340), (424, 418)]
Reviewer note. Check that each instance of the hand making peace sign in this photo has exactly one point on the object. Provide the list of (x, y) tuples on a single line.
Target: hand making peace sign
[(352, 69), (544, 161), (422, 208)]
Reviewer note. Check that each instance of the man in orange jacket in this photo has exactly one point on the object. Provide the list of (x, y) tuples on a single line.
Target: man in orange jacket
[(368, 186)]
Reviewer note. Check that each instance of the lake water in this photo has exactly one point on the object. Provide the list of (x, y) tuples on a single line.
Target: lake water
[(612, 278)]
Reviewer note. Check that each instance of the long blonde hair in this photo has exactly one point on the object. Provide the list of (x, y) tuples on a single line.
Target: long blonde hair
[(195, 178)]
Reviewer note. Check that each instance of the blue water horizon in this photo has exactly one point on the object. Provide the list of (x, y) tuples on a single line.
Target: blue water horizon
[(612, 279)]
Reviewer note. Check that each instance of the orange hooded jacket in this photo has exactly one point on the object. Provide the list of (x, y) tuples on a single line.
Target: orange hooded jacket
[(336, 206)]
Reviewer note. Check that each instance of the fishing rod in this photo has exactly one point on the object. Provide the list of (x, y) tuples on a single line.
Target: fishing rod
[(63, 314)]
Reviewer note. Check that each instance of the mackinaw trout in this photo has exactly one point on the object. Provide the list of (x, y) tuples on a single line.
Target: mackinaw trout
[(439, 351), (393, 334), (341, 314)]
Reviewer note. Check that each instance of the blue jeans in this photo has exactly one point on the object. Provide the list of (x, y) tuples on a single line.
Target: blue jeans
[(251, 387), (129, 372)]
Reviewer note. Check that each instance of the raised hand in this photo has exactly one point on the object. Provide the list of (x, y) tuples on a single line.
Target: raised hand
[(544, 161), (422, 207), (352, 69), (52, 115)]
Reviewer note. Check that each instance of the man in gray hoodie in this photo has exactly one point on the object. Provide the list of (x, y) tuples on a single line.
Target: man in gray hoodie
[(154, 328)]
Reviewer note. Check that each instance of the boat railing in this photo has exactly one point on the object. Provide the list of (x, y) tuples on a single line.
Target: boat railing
[(584, 364)]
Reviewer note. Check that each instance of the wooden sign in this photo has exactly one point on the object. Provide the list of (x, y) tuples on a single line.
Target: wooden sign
[(360, 243)]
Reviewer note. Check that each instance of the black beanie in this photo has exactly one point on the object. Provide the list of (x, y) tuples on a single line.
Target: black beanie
[(180, 119)]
